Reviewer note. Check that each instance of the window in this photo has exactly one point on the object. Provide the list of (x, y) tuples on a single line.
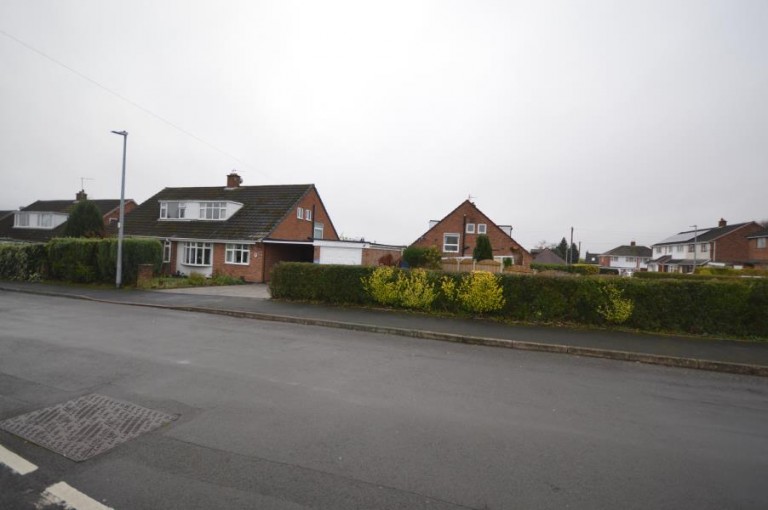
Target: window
[(167, 251), (45, 220), (22, 219), (680, 248), (197, 254), (451, 243), (300, 213), (614, 259), (213, 210), (761, 242), (308, 214), (658, 250), (470, 228), (704, 247), (691, 248), (172, 210), (481, 228), (317, 233), (238, 254), (630, 259)]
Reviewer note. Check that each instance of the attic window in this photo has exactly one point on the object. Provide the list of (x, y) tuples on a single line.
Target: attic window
[(481, 228), (470, 228), (451, 243), (172, 210), (308, 214), (300, 213), (213, 210)]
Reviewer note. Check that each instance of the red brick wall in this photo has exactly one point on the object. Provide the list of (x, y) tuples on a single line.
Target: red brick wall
[(734, 246), (294, 229), (371, 256), (502, 244), (130, 205), (250, 273), (757, 254)]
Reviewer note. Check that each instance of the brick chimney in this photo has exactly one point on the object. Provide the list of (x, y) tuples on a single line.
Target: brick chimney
[(632, 243), (722, 223), (234, 180), (81, 195)]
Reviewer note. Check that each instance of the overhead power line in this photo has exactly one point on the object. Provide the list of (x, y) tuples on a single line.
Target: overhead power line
[(125, 99)]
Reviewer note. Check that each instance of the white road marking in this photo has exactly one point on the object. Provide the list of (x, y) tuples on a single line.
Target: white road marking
[(63, 494), (16, 463)]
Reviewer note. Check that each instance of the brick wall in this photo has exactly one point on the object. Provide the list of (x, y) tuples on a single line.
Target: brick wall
[(250, 273), (454, 223), (734, 246), (115, 215), (757, 254), (371, 256), (294, 229)]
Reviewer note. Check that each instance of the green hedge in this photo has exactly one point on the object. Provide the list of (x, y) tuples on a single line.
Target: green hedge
[(95, 260), (713, 307), (22, 261), (585, 269)]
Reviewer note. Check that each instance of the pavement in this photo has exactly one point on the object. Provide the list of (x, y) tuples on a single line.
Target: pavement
[(252, 301)]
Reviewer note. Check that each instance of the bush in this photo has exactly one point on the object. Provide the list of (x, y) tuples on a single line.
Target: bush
[(483, 249), (585, 269), (406, 289), (95, 260), (315, 282), (479, 292), (84, 220), (427, 258), (22, 261)]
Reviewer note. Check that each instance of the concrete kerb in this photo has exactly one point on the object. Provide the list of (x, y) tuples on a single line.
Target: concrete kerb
[(652, 359)]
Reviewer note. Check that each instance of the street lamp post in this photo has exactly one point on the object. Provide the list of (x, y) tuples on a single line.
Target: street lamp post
[(695, 242), (119, 275)]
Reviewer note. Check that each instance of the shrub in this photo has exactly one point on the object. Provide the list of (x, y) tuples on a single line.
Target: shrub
[(84, 220), (394, 287), (585, 269), (95, 260), (483, 249), (616, 308), (22, 261), (315, 282), (196, 279), (480, 292), (418, 256)]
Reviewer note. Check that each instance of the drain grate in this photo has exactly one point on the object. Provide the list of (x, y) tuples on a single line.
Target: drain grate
[(87, 426)]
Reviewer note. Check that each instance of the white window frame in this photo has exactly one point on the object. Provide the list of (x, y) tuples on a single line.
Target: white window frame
[(237, 254), (681, 248), (482, 228), (22, 219), (300, 213), (761, 242), (213, 210), (691, 248), (167, 251), (318, 228), (447, 245), (308, 214), (198, 254), (658, 250), (704, 247), (630, 259), (470, 228), (181, 210)]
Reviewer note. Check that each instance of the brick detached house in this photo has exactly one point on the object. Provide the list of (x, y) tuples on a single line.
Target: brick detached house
[(626, 258), (721, 245), (45, 219), (757, 249), (456, 234), (243, 231)]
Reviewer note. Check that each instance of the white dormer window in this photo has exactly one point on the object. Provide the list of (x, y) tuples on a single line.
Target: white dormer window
[(41, 220), (470, 228), (308, 214), (173, 210), (213, 210), (481, 228)]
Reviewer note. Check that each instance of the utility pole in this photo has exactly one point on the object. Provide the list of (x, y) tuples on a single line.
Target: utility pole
[(119, 275), (695, 242), (569, 252)]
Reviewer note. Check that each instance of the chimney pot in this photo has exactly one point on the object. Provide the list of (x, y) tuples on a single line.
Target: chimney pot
[(722, 223)]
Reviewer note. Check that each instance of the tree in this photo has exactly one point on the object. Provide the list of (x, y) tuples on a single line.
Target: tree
[(483, 249), (574, 254), (562, 249), (84, 221), (417, 256)]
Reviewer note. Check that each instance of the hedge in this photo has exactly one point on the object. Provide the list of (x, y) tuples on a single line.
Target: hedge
[(585, 269), (95, 260), (710, 307), (22, 261)]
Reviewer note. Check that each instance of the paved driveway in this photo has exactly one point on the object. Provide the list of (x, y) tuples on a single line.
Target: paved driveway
[(250, 290)]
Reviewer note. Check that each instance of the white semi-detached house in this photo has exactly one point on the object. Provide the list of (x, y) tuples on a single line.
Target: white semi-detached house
[(721, 245), (626, 258)]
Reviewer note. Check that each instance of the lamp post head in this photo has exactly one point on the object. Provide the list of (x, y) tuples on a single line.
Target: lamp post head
[(121, 133)]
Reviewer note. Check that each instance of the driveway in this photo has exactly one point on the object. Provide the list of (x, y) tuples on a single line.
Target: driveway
[(250, 290)]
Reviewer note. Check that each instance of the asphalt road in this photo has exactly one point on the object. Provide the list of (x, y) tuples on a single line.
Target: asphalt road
[(289, 417)]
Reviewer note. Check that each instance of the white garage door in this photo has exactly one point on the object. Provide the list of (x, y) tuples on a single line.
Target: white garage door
[(347, 256)]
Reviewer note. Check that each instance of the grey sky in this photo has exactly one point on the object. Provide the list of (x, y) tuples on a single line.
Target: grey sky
[(626, 120)]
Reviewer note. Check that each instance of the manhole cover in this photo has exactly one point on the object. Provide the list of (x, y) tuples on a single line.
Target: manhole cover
[(87, 426)]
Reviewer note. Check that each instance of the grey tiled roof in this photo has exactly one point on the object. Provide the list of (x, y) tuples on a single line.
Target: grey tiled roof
[(630, 251), (264, 207)]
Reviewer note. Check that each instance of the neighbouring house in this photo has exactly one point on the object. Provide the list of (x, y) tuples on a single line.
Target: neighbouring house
[(456, 234), (45, 219), (243, 231), (547, 256), (592, 258), (721, 245), (627, 258), (757, 249)]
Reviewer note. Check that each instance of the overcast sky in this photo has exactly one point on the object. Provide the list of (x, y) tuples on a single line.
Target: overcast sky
[(626, 120)]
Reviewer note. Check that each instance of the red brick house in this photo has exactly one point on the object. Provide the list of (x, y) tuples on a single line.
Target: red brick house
[(241, 231), (757, 249), (456, 236), (43, 220)]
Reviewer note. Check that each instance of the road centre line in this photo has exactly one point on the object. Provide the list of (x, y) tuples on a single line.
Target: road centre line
[(17, 464), (63, 493)]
